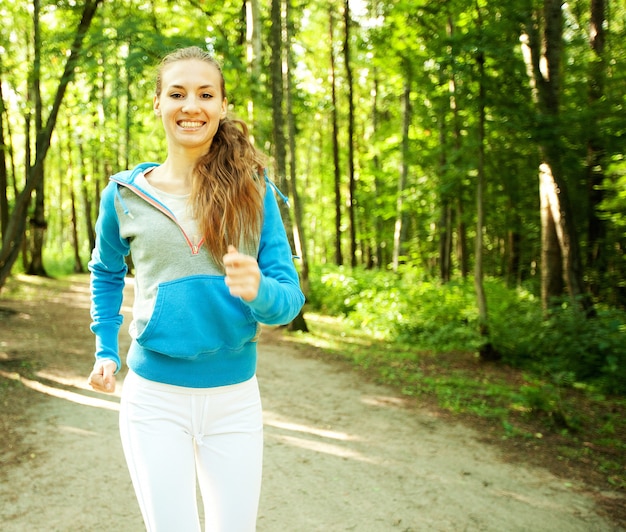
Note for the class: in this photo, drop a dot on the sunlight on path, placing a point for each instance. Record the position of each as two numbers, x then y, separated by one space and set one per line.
60 393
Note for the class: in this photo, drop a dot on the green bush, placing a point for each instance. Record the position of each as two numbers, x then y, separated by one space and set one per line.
333 291
443 317
593 349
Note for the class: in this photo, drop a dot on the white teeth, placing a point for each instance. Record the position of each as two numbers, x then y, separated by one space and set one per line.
190 125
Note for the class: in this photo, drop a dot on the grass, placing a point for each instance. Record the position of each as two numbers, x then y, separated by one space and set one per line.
568 428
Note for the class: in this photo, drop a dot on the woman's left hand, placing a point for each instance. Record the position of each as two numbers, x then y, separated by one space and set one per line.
243 274
102 377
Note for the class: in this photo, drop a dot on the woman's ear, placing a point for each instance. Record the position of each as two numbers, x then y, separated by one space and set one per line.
156 106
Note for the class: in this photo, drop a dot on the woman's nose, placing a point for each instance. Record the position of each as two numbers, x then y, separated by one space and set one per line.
191 104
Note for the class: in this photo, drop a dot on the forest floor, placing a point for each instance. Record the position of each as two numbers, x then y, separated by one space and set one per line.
341 453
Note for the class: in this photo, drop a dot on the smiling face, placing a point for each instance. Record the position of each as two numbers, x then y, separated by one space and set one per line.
191 104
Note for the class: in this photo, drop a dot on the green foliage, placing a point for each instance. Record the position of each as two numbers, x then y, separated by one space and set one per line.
60 261
334 292
107 123
402 307
591 349
614 204
565 347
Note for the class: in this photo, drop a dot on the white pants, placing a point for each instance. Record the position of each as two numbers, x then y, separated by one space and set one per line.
170 433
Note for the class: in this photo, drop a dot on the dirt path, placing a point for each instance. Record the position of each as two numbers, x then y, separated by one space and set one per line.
340 454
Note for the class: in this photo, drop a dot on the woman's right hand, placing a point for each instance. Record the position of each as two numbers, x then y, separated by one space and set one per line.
102 377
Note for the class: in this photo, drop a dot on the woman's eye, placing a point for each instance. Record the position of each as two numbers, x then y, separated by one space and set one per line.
207 96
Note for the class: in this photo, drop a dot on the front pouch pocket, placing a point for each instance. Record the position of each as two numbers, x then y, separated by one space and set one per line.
197 315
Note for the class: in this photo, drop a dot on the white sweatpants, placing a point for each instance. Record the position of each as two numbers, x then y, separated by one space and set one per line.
170 433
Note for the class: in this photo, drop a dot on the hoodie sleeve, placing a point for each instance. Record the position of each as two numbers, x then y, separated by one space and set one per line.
108 272
279 299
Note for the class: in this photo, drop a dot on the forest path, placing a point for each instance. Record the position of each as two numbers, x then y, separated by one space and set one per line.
341 454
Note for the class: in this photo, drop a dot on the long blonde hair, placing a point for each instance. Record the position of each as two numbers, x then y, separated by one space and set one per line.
228 186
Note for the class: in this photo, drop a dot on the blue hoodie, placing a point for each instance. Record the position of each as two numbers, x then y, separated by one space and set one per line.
187 329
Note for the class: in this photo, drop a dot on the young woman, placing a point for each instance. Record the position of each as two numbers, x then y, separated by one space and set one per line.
212 262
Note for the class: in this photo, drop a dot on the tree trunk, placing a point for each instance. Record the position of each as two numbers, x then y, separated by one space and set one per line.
596 249
513 244
14 235
27 164
129 107
486 350
38 224
336 168
78 264
6 146
276 73
280 153
253 52
445 213
445 242
378 257
38 229
291 128
552 285
547 85
461 237
351 178
4 180
399 235
87 205
299 323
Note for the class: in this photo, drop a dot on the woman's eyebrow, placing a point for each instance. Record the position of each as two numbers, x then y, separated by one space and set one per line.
207 86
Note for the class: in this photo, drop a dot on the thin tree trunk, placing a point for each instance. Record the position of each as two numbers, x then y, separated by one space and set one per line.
399 236
253 51
596 250
445 242
298 323
278 117
129 112
280 153
378 257
486 350
7 151
351 178
291 128
38 222
336 169
4 180
87 205
60 188
513 273
461 237
28 159
445 212
78 265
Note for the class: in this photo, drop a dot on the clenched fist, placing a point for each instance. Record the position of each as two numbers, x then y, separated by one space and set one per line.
243 274
102 377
